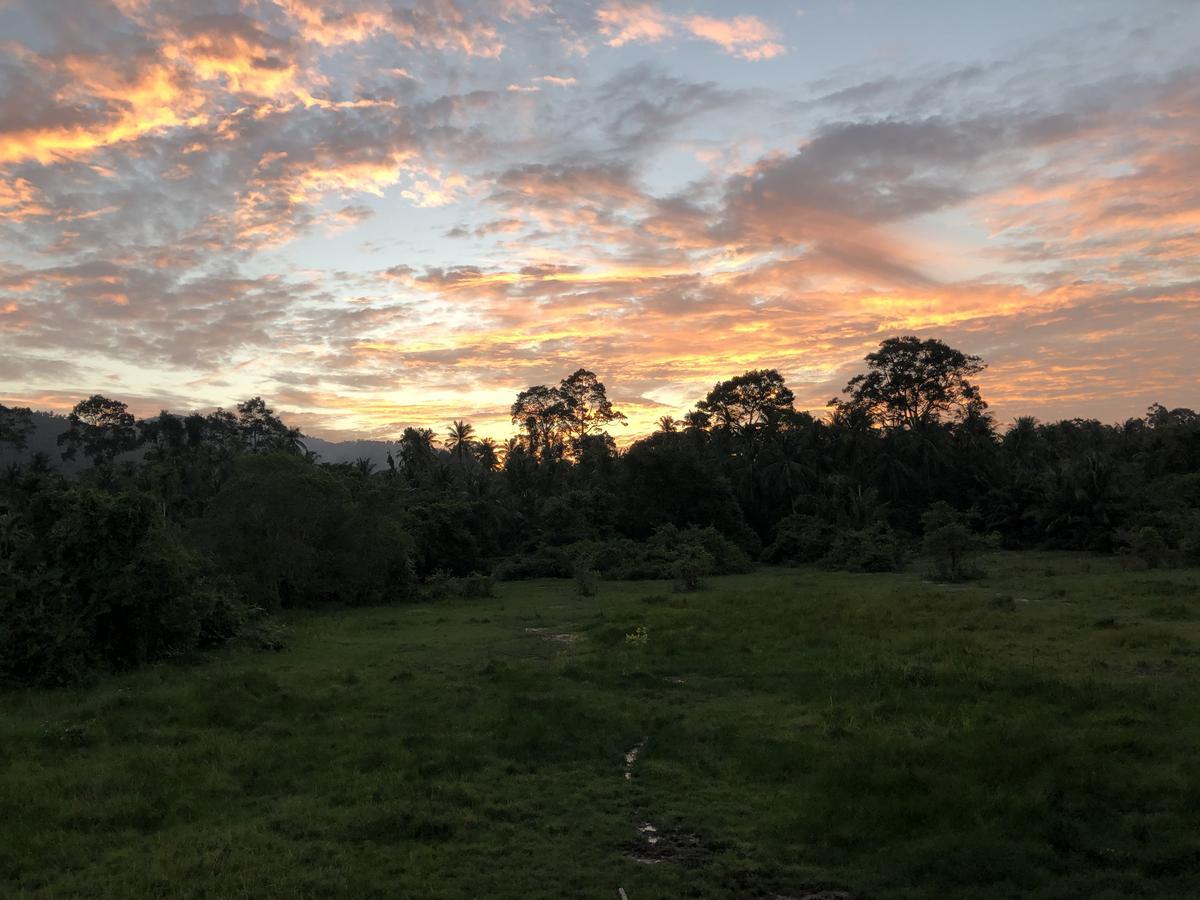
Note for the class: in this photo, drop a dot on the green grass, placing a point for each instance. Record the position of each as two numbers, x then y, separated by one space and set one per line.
1031 734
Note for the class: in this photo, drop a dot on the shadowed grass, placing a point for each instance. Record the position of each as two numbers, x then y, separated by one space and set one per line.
1028 734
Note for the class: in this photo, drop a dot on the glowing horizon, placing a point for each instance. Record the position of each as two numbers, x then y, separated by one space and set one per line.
380 213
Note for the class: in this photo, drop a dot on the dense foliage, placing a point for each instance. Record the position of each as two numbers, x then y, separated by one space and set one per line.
184 523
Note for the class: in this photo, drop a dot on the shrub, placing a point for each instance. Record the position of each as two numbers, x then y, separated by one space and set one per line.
587 578
639 637
1189 546
800 539
689 567
97 580
693 547
952 548
468 587
541 562
876 548
291 534
1149 548
662 556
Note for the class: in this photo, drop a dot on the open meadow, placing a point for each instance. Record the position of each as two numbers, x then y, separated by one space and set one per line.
782 733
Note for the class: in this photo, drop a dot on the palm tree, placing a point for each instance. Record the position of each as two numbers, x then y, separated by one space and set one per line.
512 445
417 456
459 439
487 454
667 424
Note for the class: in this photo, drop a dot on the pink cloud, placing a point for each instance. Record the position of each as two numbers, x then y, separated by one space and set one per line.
747 37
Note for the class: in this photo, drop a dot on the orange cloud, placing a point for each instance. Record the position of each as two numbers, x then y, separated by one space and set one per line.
153 99
20 200
438 24
622 22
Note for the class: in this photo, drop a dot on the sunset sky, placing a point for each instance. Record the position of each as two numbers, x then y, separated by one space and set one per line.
377 213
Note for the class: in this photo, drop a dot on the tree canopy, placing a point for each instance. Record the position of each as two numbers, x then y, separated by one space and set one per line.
913 383
227 514
750 401
556 420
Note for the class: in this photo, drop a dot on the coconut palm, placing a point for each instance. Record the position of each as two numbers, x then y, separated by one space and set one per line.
487 454
459 440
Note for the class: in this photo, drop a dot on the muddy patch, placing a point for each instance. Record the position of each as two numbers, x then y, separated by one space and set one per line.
686 849
558 637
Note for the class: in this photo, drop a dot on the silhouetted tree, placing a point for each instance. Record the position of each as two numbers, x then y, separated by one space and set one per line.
102 428
541 411
16 423
586 408
487 454
261 431
911 383
459 440
748 402
417 455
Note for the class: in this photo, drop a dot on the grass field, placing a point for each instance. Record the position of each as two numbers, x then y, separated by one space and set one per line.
1031 734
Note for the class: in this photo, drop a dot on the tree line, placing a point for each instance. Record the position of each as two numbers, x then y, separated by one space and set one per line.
186 531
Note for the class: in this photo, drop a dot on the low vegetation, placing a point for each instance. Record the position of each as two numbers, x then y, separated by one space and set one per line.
1028 732
184 532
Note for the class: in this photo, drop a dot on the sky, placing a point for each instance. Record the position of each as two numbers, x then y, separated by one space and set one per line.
380 213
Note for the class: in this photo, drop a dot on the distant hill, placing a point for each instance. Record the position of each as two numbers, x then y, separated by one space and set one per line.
44 439
348 451
48 426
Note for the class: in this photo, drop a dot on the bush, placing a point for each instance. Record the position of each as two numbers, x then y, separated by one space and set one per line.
1148 547
690 567
951 547
672 547
803 539
291 534
467 587
1189 546
96 580
587 578
664 555
800 539
541 562
876 548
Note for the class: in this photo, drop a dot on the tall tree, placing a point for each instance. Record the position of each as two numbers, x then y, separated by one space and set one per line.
417 455
263 432
460 441
102 428
748 402
911 383
487 454
540 411
16 423
586 408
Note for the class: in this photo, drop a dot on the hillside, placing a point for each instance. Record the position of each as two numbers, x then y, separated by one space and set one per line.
48 426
